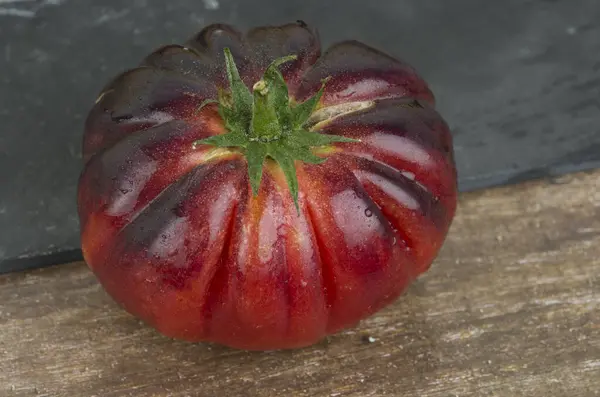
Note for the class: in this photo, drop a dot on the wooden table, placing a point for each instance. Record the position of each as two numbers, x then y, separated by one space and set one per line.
510 308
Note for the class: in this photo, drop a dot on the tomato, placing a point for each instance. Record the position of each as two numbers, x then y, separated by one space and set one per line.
250 191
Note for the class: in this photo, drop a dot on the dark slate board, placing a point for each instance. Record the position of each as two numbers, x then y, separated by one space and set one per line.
518 81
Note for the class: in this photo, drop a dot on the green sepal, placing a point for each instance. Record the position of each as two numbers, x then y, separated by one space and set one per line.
205 103
231 139
279 98
240 94
255 156
232 122
304 154
286 162
302 111
271 113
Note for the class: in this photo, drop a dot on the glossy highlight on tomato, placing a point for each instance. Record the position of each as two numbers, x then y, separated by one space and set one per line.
174 231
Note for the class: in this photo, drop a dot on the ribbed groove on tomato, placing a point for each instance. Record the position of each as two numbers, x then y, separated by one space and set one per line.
186 61
390 134
411 211
144 266
148 81
432 176
120 170
184 209
213 39
205 40
217 286
257 298
432 179
345 221
121 112
355 166
220 307
394 118
198 126
181 184
146 132
359 72
308 307
356 160
274 42
323 258
271 249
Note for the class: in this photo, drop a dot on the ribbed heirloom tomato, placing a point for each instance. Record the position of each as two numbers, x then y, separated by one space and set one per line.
247 190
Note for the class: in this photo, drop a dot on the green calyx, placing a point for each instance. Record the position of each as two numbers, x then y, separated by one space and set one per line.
264 123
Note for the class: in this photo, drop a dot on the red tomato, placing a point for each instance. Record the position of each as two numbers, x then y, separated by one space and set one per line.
270 208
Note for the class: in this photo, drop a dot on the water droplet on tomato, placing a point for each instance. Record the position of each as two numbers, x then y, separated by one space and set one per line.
368 213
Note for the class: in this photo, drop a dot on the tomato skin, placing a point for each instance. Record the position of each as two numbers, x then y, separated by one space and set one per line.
175 235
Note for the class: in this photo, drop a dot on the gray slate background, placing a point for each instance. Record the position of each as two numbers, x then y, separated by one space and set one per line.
517 80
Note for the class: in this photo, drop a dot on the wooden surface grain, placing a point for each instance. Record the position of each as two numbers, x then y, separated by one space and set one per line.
510 308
